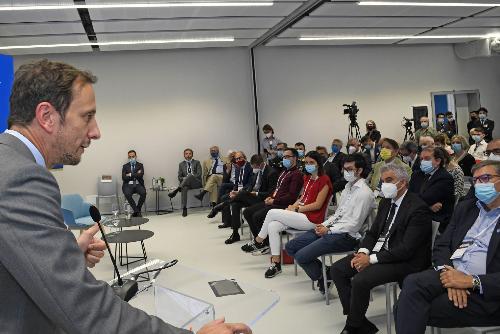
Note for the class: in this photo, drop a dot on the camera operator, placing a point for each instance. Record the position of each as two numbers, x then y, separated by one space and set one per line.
372 132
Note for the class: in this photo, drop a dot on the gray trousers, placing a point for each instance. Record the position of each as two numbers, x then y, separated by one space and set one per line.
189 182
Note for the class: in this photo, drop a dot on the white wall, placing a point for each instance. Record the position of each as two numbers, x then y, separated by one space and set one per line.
159 103
302 89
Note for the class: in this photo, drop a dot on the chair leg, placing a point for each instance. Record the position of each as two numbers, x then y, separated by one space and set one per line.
325 280
388 309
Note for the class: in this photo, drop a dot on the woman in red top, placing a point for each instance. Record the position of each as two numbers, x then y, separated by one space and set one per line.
308 211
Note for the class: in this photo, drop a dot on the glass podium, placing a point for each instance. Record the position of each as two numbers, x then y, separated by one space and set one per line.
187 297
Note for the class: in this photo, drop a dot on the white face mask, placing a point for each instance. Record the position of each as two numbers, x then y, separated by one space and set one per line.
389 190
407 159
269 135
350 176
352 149
494 157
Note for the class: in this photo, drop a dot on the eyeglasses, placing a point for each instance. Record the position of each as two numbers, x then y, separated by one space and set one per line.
485 178
495 151
288 156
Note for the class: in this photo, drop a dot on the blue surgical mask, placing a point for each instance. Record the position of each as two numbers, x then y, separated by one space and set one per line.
132 161
310 168
335 149
368 147
456 147
486 192
482 116
280 153
476 138
301 153
424 125
214 155
287 163
426 166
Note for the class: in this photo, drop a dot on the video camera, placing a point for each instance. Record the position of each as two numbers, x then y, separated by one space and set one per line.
351 110
407 122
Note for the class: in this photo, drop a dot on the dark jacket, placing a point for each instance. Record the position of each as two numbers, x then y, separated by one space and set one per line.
463 218
291 184
488 127
336 178
196 170
410 235
466 164
268 182
367 154
138 174
247 177
339 160
438 188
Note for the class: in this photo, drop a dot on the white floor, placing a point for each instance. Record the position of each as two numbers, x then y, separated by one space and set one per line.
196 241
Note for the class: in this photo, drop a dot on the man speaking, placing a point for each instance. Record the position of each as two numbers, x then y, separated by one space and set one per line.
45 286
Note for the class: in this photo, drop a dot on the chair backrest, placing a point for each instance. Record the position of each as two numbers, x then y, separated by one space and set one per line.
106 186
435 228
326 211
69 219
368 221
75 204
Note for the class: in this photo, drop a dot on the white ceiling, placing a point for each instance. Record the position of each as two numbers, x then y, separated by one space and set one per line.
245 24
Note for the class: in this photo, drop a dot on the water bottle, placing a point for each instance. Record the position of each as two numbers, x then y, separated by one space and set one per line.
128 211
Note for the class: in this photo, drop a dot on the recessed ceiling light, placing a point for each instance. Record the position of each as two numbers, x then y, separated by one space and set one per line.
427 4
162 41
142 5
393 37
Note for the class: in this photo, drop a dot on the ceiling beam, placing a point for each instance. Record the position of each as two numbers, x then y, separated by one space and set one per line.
87 24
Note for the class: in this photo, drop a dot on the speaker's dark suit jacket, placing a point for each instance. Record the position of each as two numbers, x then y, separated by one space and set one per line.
137 175
268 182
463 218
438 188
410 235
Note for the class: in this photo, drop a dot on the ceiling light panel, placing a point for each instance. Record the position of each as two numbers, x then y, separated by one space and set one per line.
372 22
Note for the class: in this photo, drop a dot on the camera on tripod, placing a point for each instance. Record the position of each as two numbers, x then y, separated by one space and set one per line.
407 123
352 110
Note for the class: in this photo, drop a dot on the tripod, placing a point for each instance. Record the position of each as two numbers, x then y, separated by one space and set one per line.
409 134
353 131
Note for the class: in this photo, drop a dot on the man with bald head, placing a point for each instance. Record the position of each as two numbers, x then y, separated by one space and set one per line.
425 130
213 170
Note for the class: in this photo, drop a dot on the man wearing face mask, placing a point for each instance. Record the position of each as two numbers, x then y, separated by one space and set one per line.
479 147
337 157
213 170
452 124
397 244
189 175
487 124
133 183
301 150
269 142
425 129
354 146
331 171
409 154
473 123
463 288
370 149
277 162
340 232
435 185
388 155
372 132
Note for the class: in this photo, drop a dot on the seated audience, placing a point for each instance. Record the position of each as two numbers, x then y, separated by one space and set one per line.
426 141
287 190
370 148
330 169
213 170
441 126
337 156
463 289
133 182
473 123
189 176
435 185
458 177
305 214
388 155
277 162
460 156
425 129
243 178
487 124
269 142
301 150
409 154
443 141
477 149
341 232
262 185
397 244
452 124
354 146
372 132
228 176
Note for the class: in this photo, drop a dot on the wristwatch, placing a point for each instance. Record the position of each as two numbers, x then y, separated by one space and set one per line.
476 283
297 209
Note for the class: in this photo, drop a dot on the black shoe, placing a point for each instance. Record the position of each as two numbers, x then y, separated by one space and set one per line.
212 204
138 214
173 193
216 209
184 212
233 238
224 225
350 330
321 285
200 195
273 270
134 214
368 327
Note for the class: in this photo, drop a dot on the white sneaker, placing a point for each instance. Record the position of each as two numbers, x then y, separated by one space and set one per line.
261 251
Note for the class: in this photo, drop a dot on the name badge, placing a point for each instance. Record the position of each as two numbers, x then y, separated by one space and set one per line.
130 182
460 251
378 246
240 187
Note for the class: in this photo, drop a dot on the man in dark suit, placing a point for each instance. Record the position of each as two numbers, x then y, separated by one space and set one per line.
337 157
397 244
473 123
133 182
487 124
434 184
370 148
409 155
263 183
277 162
463 289
331 170
243 179
189 175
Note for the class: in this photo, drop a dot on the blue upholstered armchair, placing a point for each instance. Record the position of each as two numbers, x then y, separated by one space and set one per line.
80 217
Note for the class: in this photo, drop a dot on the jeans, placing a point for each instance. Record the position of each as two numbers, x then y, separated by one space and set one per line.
307 247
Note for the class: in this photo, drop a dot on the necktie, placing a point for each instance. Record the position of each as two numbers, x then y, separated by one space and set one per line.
132 170
189 168
257 181
425 184
214 167
389 219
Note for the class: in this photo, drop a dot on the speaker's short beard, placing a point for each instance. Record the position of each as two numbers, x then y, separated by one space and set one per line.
70 159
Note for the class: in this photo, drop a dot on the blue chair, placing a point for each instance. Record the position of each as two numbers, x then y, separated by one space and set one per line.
76 212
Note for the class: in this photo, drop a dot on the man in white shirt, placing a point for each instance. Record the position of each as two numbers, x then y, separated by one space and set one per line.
397 244
479 147
340 233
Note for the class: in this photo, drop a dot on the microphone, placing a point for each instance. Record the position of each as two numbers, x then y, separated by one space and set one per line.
157 271
123 289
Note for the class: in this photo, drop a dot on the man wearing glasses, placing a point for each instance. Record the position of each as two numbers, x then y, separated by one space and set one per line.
463 289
